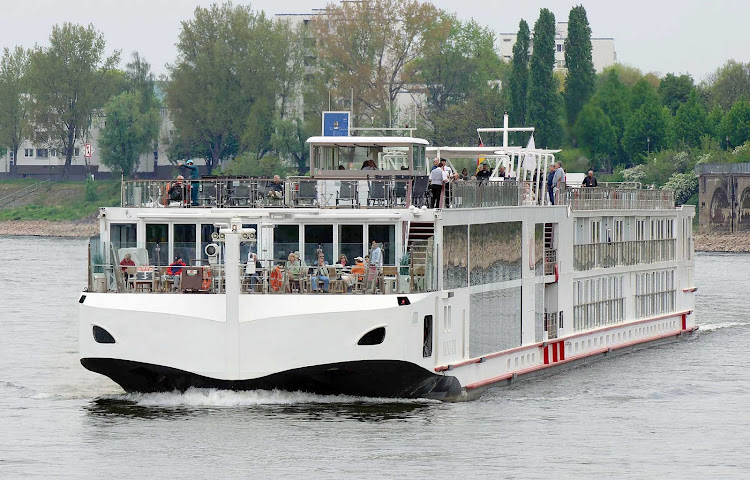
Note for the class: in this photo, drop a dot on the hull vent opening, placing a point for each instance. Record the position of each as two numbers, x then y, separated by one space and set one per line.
373 337
102 336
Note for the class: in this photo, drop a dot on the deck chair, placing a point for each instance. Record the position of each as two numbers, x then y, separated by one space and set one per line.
308 192
419 191
400 188
348 193
378 192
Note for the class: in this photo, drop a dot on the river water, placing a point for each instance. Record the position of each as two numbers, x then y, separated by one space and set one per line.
680 410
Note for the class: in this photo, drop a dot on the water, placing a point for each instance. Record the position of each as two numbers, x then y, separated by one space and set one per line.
678 410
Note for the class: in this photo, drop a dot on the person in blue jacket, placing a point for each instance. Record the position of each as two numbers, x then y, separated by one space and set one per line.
194 175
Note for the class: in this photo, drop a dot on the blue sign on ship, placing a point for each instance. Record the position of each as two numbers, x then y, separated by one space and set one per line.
336 124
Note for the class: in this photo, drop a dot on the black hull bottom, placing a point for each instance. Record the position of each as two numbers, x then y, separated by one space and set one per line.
368 378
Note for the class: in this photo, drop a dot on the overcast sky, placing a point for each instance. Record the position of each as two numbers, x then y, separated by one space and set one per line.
687 36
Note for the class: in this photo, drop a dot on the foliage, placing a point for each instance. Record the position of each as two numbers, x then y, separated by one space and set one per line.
685 185
728 84
484 107
690 122
736 123
267 166
581 78
128 132
232 63
90 193
519 79
14 117
366 49
675 90
67 82
634 174
594 131
288 139
543 104
646 130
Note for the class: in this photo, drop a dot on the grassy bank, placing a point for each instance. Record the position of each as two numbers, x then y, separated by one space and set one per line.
59 201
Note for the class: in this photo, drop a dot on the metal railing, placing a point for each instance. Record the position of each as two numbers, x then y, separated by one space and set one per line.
598 314
550 325
550 261
616 254
473 194
601 198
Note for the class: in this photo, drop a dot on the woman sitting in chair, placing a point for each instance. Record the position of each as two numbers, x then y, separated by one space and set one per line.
295 271
343 268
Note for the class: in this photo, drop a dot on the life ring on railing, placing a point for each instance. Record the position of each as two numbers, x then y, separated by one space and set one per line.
206 285
276 279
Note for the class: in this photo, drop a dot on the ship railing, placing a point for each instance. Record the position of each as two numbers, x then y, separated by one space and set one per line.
550 261
598 314
617 254
550 325
476 194
294 192
606 198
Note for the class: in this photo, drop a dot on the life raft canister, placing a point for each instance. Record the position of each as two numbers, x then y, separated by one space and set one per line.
206 285
276 279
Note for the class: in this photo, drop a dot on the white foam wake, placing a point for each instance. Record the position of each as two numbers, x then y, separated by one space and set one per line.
709 327
211 397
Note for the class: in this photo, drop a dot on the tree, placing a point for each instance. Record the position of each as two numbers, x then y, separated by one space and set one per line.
646 130
140 79
728 84
458 59
230 67
127 133
67 82
366 48
690 121
595 132
641 93
674 90
519 77
288 139
543 103
14 117
581 78
736 123
611 97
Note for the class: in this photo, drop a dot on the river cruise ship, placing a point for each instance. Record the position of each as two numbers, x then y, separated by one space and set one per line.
492 285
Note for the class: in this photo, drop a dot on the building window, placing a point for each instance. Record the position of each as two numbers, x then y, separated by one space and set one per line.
28 152
42 153
76 152
559 47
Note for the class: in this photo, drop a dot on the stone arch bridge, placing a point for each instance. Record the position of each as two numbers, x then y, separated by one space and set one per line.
724 197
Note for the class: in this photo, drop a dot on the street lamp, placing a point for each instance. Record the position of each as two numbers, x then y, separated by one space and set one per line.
648 145
727 142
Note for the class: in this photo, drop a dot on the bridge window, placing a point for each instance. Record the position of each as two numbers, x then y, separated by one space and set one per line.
184 242
385 235
123 235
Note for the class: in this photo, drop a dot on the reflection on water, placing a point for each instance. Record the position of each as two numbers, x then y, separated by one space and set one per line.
678 410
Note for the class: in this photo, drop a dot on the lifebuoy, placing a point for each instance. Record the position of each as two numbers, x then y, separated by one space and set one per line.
276 279
557 275
206 285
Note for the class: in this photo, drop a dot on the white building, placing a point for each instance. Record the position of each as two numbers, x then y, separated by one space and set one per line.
602 48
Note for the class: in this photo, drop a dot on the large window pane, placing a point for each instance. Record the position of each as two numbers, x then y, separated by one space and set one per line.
206 230
385 235
350 241
123 235
285 240
184 243
318 237
157 243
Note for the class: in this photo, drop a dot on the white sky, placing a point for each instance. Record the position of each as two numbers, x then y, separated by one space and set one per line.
687 36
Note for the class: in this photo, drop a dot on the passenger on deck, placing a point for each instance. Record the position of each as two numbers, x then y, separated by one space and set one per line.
501 172
176 191
174 271
436 186
295 270
558 180
344 268
252 268
276 188
194 175
551 184
484 174
358 270
465 174
590 180
320 274
447 180
128 267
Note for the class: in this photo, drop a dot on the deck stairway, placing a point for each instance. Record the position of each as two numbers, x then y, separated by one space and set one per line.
418 243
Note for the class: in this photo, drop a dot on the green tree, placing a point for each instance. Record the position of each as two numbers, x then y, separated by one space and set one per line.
595 132
246 164
690 121
543 103
611 96
580 81
728 84
127 133
713 125
230 67
519 77
14 116
675 90
67 82
646 130
288 139
641 93
736 123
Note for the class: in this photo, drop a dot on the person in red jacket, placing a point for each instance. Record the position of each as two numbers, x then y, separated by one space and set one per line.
174 270
125 263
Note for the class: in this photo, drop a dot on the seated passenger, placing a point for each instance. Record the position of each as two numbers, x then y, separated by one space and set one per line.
174 271
128 268
320 274
344 269
295 270
358 270
176 191
276 188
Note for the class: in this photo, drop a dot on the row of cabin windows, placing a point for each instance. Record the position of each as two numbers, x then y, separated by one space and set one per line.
614 231
307 239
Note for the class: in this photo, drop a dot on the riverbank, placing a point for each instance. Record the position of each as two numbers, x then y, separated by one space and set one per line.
46 228
722 242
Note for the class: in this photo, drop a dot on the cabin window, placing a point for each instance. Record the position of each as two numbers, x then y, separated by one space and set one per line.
285 241
184 242
351 241
157 243
385 235
123 235
206 230
355 158
318 238
420 159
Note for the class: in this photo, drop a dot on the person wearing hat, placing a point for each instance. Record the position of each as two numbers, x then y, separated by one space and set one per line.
358 269
194 175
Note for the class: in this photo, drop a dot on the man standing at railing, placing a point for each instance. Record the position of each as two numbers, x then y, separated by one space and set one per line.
447 179
558 180
436 186
194 175
551 184
590 180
